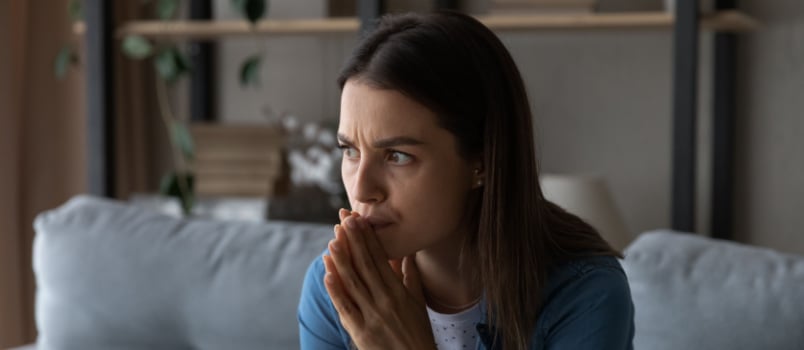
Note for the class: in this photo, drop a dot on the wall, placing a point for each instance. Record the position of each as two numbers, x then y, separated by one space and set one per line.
770 161
602 103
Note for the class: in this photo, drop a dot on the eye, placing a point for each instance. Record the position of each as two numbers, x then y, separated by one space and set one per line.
399 158
349 152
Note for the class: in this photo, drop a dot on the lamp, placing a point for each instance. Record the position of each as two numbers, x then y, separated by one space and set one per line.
588 197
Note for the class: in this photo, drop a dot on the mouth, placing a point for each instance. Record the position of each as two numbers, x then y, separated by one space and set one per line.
378 223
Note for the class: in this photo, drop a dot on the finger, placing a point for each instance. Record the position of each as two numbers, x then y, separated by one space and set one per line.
352 282
412 279
389 276
343 213
347 310
364 263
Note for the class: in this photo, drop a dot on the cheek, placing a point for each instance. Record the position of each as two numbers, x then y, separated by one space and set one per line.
436 207
347 176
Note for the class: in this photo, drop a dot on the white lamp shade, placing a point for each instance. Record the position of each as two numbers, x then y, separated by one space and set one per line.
588 197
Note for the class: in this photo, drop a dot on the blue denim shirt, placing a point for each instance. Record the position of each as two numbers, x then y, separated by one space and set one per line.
587 306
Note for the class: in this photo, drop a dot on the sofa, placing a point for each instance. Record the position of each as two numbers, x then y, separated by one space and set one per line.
111 275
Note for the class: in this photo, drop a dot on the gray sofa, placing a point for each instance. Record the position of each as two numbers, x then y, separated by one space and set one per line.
113 276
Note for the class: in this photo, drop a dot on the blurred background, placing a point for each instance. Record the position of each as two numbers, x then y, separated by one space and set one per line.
232 120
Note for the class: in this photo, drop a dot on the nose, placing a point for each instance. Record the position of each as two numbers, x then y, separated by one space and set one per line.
367 184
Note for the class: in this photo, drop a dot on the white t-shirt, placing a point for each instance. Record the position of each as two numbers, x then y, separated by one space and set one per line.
456 331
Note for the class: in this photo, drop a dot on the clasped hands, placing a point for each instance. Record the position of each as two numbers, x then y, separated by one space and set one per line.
379 301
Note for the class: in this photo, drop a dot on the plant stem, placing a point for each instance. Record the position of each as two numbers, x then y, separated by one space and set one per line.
179 162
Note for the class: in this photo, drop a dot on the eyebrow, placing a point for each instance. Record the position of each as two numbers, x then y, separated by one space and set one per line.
385 143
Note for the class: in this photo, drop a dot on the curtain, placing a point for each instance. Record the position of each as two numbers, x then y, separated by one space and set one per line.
43 138
42 142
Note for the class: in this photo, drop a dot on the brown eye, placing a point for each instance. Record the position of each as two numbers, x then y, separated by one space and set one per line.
399 158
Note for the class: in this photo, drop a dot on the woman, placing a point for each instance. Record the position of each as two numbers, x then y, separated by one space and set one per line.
450 243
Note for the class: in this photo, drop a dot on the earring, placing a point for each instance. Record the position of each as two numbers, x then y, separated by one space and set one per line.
480 180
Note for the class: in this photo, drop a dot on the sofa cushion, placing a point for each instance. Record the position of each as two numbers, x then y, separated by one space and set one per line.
112 276
692 292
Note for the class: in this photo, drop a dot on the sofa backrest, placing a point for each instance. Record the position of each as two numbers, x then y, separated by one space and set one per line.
692 292
112 276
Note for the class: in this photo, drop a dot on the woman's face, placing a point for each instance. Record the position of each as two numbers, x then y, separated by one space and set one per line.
401 170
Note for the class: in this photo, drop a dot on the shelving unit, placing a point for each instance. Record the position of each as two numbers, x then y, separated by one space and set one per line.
722 21
100 33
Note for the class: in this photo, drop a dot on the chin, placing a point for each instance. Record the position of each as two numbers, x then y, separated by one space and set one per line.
393 248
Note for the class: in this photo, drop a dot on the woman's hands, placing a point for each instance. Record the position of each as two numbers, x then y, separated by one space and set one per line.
379 301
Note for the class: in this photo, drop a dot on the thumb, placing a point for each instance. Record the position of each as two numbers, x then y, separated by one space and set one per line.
412 279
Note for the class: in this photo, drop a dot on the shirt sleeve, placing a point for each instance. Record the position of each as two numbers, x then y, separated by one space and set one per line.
594 311
319 326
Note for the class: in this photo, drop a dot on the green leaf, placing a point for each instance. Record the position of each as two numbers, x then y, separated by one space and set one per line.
62 62
76 10
171 64
252 10
137 47
181 136
169 186
165 9
250 71
181 61
239 5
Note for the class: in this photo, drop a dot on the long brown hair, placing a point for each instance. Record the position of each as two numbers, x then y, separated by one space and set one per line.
459 69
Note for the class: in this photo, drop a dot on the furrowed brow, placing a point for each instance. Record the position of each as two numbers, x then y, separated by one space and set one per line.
385 143
397 141
345 140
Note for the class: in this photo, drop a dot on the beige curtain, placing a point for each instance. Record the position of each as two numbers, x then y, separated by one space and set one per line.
42 143
43 139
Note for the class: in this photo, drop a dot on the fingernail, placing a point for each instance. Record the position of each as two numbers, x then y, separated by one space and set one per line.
329 278
333 246
350 222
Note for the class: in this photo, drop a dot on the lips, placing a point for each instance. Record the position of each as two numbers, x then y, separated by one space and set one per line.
378 222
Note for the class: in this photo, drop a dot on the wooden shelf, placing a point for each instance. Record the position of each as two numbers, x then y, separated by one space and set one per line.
226 28
725 21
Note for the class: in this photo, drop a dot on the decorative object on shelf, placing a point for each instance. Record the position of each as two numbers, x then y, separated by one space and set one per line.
589 198
315 190
520 7
243 160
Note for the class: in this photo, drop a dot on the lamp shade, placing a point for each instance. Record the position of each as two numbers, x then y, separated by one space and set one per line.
589 198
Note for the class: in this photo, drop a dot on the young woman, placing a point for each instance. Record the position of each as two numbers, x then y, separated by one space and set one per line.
450 243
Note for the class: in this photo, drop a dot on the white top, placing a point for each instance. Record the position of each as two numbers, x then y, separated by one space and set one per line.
456 331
